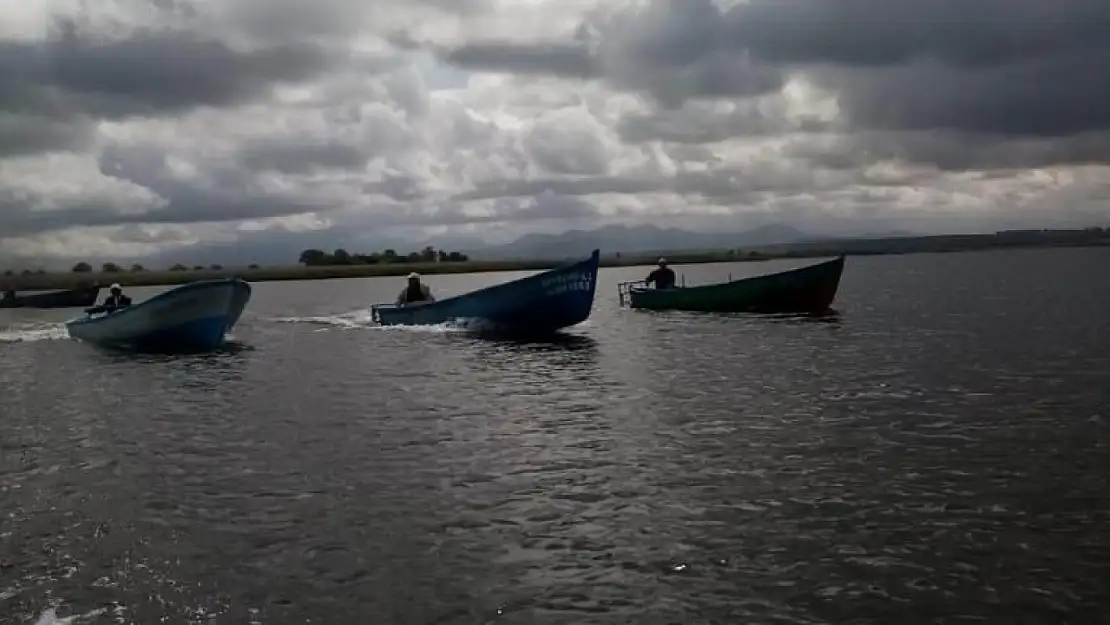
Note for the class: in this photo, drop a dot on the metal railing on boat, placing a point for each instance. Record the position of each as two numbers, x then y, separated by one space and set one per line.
624 291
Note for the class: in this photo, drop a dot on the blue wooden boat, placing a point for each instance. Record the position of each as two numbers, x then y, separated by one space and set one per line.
538 304
194 317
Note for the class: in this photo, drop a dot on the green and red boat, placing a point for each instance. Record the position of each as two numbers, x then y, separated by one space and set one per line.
810 289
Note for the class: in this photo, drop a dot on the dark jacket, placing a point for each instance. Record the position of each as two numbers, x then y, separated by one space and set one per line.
415 293
117 301
663 277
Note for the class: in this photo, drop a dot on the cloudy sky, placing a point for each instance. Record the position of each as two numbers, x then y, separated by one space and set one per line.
128 127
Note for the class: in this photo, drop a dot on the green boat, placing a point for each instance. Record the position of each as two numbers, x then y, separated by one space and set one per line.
804 290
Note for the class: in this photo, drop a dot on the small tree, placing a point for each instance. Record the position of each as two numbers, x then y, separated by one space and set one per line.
110 268
136 268
179 267
216 267
82 267
313 257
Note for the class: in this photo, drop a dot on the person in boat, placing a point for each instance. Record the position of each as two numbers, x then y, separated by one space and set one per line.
415 292
9 295
116 298
662 276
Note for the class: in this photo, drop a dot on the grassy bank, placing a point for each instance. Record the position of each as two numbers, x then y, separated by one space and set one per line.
69 280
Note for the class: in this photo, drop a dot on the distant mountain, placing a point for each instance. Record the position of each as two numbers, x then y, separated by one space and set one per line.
634 240
891 234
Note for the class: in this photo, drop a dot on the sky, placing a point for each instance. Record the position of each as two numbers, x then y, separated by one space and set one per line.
130 128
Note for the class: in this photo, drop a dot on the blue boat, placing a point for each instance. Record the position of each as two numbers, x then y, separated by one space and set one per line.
194 317
538 304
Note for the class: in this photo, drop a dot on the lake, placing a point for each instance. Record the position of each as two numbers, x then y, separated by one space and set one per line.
936 452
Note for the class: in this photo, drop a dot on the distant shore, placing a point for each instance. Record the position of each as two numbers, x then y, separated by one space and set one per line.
860 247
71 280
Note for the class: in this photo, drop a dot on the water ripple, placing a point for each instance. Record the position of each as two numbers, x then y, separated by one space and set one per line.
921 456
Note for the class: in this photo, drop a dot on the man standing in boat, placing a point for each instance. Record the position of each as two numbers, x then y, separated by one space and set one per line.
662 276
116 298
416 292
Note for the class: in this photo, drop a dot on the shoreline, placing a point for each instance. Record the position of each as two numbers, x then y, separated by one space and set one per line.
290 273
70 280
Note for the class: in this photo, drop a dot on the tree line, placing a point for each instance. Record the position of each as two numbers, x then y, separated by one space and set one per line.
114 268
84 267
320 258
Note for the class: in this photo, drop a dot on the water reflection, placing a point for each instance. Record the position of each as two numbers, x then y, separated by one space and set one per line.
218 357
555 342
828 316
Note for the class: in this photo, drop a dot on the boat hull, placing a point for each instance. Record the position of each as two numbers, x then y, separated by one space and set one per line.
809 289
73 298
538 304
189 318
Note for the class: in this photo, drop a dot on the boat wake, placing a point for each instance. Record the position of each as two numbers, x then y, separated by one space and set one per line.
50 617
364 320
27 332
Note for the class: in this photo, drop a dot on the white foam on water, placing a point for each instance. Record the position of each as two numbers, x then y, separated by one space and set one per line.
353 319
26 332
50 617
364 320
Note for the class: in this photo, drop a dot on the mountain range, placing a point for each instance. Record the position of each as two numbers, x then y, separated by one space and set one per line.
635 240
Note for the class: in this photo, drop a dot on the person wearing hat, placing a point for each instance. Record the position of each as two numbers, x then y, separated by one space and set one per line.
116 298
662 276
415 292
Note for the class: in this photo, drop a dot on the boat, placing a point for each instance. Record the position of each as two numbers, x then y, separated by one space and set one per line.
808 289
193 317
72 298
538 304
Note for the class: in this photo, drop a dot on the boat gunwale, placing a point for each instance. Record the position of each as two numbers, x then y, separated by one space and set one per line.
173 292
633 289
592 260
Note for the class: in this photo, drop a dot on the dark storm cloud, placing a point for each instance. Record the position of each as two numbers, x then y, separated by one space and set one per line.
155 72
722 185
64 83
1017 68
301 157
1051 97
952 151
693 126
667 51
230 196
396 188
187 205
32 134
568 60
882 33
542 206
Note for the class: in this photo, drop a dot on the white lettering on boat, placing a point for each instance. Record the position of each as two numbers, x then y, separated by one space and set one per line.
561 284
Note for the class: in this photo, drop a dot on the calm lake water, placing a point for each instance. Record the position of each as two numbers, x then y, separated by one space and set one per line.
935 453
